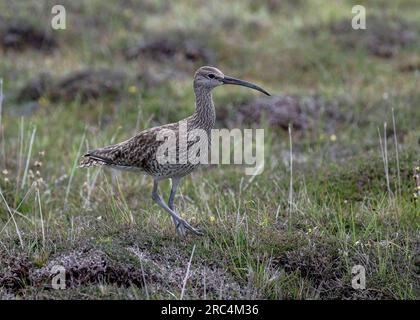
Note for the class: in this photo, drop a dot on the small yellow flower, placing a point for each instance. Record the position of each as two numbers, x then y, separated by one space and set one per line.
128 13
418 187
212 218
43 101
6 180
333 138
132 89
5 172
417 168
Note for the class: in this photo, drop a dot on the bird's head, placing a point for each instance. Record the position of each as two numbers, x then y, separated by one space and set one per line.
210 77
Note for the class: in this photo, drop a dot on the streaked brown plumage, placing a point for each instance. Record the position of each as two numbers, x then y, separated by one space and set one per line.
139 152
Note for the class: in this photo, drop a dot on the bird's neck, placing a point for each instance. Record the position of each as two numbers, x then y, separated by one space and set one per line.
205 115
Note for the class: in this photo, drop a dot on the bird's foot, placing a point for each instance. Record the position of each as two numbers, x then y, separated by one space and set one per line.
182 226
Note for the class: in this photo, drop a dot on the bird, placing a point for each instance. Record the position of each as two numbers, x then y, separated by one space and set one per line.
140 152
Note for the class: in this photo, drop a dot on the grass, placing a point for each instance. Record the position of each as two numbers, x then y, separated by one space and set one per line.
343 197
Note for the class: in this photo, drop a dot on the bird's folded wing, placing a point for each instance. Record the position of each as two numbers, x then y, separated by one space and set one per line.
130 153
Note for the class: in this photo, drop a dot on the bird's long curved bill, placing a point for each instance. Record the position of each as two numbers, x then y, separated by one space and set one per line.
238 82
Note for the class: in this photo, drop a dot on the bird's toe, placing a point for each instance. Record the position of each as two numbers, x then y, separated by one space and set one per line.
193 230
180 228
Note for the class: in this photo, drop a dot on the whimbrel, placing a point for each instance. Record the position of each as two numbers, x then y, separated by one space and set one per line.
139 153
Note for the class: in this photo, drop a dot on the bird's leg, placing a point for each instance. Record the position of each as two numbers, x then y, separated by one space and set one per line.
174 182
174 185
180 224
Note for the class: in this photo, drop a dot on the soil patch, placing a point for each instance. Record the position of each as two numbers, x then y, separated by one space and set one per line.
85 84
383 37
174 46
279 111
19 35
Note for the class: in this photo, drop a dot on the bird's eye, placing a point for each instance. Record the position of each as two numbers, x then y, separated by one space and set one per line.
211 76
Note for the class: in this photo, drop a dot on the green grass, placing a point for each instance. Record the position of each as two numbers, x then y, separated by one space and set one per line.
256 244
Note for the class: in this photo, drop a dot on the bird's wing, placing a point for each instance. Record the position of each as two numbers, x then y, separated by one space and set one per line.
130 153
